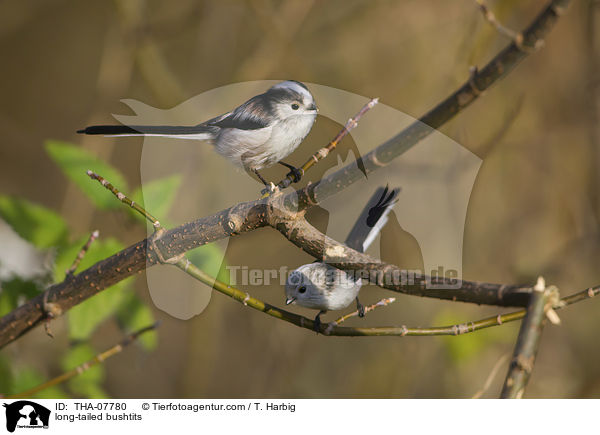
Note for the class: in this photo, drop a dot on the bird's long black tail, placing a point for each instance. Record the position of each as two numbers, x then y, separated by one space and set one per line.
148 130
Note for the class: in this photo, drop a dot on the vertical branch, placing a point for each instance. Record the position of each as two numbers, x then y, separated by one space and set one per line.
528 342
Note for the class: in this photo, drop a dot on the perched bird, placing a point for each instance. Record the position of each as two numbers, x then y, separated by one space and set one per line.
259 133
323 287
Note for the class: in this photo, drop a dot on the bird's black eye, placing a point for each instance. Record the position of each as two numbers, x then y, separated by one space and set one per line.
301 289
295 106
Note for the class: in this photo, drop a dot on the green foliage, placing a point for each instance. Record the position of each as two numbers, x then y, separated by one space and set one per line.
45 229
87 383
75 161
15 290
209 259
133 315
85 317
26 378
34 223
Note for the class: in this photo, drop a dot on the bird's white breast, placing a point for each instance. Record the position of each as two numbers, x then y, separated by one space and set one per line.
256 149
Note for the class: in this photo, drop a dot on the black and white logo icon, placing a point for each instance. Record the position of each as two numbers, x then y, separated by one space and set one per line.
26 414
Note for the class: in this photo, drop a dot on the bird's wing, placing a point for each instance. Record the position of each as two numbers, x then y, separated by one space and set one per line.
252 115
372 219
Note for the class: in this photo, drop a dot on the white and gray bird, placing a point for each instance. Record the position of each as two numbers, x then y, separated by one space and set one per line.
323 287
261 132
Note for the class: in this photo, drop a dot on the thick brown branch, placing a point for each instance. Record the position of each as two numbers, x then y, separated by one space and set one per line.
75 289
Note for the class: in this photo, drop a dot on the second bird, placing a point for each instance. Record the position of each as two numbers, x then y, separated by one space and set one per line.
321 286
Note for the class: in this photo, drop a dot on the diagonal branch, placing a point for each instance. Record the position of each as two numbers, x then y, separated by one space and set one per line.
478 82
252 215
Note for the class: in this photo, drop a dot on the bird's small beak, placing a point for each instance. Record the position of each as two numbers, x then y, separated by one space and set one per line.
289 300
313 107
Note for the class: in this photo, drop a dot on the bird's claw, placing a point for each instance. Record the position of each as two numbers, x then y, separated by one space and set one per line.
270 189
317 324
296 174
361 308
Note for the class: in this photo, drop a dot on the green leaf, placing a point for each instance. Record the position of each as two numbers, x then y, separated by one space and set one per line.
34 223
76 161
134 315
157 196
209 259
85 317
15 291
26 378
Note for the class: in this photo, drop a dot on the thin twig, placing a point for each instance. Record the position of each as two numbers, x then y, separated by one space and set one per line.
528 342
517 37
159 230
491 18
117 348
491 376
381 303
81 253
124 199
324 152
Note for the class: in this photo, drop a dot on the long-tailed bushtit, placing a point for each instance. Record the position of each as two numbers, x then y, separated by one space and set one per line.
323 287
259 133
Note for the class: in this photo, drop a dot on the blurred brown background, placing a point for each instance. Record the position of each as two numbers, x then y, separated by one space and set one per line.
534 210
